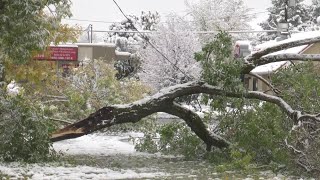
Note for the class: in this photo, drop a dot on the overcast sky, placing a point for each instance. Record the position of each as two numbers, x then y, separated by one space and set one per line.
106 10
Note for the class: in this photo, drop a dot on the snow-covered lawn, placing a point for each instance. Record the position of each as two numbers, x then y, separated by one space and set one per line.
101 156
98 144
38 171
93 144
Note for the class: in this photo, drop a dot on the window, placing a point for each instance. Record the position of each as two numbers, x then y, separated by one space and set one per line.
246 82
254 84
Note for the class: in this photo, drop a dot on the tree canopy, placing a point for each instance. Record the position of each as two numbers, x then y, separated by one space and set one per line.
27 26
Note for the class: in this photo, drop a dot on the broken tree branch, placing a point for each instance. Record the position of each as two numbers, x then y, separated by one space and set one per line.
287 57
197 126
275 90
164 102
257 55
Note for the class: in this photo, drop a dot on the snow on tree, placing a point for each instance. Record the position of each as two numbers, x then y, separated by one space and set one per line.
314 15
213 15
176 41
298 17
128 41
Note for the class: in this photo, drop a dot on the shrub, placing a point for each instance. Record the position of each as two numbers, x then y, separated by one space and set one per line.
23 132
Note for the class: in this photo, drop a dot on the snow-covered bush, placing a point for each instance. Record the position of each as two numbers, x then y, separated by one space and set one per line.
24 133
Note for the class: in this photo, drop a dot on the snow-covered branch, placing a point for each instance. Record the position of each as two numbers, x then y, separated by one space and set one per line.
255 57
274 89
287 57
163 101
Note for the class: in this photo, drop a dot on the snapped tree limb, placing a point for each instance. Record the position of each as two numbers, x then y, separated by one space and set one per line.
257 55
164 102
261 57
287 57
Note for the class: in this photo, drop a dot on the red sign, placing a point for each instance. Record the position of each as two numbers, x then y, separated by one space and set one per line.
56 53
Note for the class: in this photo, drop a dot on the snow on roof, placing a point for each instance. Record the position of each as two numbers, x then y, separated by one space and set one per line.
120 53
294 37
244 42
63 45
269 68
102 44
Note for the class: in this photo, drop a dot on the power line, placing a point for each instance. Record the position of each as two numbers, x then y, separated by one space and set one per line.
87 20
257 13
153 46
196 32
112 22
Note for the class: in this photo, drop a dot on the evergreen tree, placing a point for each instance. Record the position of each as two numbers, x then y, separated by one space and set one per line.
297 17
130 42
126 41
315 10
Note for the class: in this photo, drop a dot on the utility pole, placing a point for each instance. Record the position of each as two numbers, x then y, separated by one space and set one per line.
286 12
90 33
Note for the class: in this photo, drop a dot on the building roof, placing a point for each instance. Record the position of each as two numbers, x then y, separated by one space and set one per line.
271 67
102 44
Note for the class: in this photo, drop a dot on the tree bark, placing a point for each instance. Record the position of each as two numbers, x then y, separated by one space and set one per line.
197 126
287 57
257 55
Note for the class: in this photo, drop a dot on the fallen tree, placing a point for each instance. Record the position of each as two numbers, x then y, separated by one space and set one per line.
165 101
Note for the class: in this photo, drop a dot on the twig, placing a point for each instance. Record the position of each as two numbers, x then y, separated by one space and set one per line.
60 120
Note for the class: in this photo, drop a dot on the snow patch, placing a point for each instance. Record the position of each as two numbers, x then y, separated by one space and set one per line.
13 89
98 144
269 68
39 171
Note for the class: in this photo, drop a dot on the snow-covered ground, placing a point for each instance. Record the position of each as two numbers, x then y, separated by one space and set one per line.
98 144
114 157
42 172
93 144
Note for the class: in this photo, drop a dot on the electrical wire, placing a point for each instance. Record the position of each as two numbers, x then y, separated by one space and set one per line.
87 20
114 22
